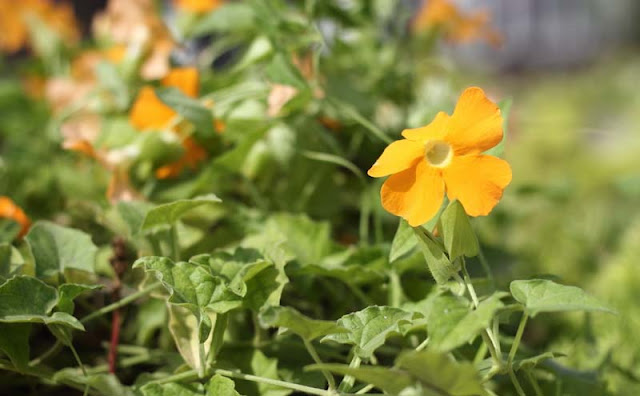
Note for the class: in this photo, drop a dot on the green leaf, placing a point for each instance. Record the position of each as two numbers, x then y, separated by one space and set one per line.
541 295
292 320
192 286
103 384
282 71
440 374
451 323
458 235
304 239
185 330
10 261
163 216
231 17
221 386
352 265
263 366
404 241
170 389
531 362
68 292
9 230
391 381
368 329
505 110
191 109
133 213
440 266
56 249
14 342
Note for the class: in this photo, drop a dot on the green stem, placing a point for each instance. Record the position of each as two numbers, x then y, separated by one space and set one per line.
155 245
516 383
516 340
77 357
395 289
486 267
175 245
422 345
480 354
348 381
120 303
314 355
192 375
534 383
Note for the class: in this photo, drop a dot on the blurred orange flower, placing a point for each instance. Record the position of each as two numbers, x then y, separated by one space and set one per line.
9 210
149 112
446 155
136 24
455 25
198 6
14 31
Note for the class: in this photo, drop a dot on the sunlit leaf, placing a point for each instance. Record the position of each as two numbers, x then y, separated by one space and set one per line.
541 295
404 241
368 329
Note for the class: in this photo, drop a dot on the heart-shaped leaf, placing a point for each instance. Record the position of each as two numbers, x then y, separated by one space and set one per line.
459 238
541 295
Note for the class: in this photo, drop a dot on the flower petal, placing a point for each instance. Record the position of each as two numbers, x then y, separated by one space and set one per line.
183 78
477 182
148 112
397 157
435 130
476 123
414 194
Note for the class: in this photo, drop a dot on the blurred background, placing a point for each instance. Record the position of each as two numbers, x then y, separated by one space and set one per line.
571 69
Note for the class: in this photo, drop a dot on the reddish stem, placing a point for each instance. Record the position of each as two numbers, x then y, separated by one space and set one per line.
115 338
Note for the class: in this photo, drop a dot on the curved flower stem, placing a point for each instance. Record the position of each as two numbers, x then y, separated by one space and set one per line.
534 383
314 355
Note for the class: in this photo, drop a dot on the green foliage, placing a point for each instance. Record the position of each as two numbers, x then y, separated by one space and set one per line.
541 295
57 249
221 278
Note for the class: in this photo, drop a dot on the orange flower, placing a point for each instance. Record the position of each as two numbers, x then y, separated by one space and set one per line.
149 112
198 6
9 210
456 26
14 31
446 155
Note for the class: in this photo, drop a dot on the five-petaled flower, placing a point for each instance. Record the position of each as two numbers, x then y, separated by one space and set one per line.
446 156
9 210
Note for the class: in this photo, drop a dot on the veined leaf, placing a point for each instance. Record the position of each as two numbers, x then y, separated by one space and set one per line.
56 248
458 235
67 292
368 329
292 320
163 216
541 295
170 389
404 241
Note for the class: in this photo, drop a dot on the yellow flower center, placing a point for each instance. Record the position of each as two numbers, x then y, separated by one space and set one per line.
438 153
